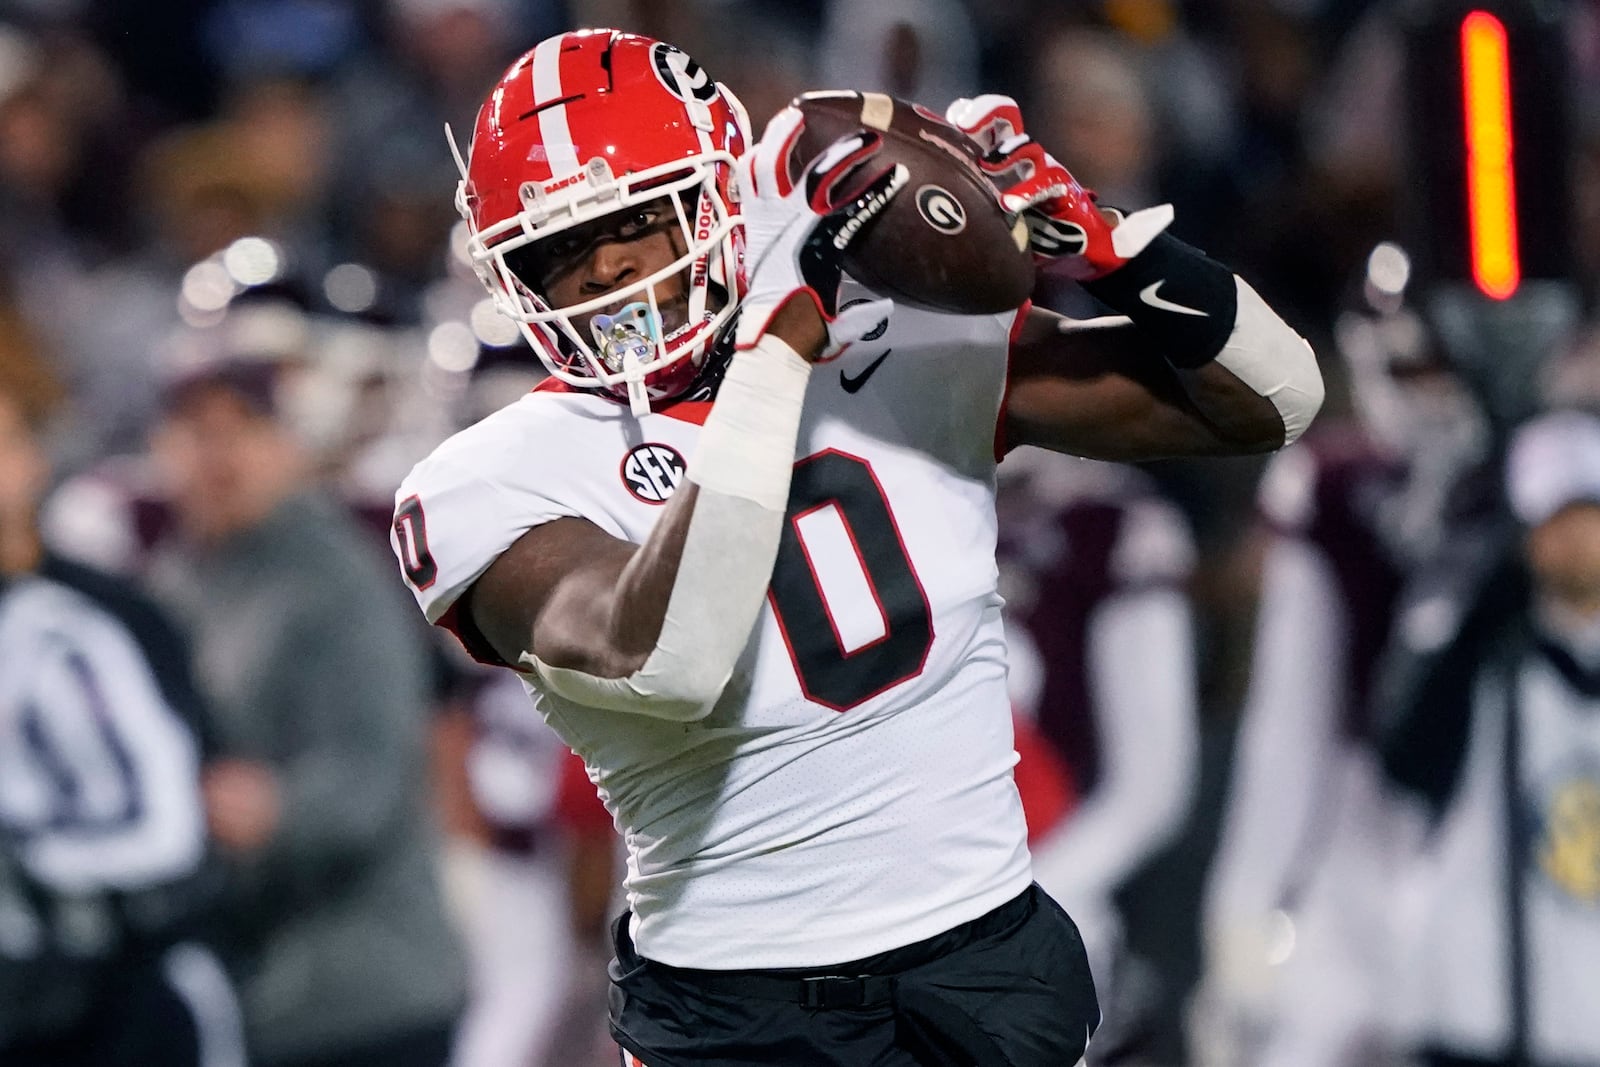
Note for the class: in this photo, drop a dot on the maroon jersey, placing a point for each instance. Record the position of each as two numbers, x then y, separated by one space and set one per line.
1345 498
1074 536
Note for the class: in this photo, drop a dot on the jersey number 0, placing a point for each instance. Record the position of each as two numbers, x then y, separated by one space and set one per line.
851 608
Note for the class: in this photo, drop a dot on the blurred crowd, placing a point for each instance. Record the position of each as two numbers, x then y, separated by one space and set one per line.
1311 747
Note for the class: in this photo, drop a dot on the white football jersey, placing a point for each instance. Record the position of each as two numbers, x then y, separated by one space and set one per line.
851 791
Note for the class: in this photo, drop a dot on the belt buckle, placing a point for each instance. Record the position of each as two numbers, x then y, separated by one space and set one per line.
833 991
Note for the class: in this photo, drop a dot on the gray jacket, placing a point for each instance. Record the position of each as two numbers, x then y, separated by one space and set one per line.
315 665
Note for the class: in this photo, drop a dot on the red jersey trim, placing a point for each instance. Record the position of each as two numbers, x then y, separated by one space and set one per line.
694 411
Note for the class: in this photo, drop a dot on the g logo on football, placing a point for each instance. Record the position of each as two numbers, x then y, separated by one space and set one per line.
941 210
652 472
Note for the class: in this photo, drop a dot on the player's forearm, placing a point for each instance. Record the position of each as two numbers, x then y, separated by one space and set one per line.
1247 372
645 587
697 588
1263 388
1237 414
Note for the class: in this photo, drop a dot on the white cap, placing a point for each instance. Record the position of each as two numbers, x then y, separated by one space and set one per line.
1554 461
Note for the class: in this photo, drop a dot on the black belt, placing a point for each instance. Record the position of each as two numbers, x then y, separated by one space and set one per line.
818 991
822 989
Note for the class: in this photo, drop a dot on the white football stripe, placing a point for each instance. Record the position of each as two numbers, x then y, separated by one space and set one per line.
877 110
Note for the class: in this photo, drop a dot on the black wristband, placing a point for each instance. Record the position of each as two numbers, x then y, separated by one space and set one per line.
1183 298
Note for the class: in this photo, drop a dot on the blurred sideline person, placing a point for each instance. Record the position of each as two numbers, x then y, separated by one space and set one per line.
317 796
1299 903
1499 916
103 874
348 391
1094 567
787 677
534 869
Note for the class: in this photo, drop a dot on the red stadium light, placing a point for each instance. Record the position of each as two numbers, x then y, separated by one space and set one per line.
1491 177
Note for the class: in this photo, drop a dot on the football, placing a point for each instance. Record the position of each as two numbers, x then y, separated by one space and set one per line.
944 243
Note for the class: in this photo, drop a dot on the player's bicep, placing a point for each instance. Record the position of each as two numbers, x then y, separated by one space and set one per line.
553 593
577 597
1100 391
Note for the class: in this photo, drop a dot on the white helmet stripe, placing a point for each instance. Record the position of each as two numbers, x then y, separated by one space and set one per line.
553 131
686 92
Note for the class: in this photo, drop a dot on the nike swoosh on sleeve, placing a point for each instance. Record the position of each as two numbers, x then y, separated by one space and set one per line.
1148 295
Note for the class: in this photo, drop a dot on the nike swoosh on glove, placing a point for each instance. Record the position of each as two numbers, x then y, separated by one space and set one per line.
797 232
1065 229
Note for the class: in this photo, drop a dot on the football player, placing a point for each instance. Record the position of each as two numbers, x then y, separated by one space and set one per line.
740 546
1312 839
1095 568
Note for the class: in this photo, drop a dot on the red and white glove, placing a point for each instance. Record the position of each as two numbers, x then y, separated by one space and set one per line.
796 233
1065 229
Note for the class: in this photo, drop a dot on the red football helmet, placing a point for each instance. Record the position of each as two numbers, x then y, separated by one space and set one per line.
583 126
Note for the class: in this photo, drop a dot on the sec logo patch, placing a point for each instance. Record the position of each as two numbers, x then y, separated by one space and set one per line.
652 472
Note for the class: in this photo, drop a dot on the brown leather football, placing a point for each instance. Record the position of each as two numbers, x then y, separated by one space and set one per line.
943 243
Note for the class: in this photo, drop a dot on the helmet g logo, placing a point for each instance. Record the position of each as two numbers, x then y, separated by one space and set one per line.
652 472
941 210
682 76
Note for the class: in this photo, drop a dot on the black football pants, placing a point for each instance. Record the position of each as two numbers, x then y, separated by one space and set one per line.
1008 989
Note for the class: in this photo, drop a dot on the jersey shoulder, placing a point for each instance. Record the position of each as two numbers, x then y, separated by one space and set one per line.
482 488
531 441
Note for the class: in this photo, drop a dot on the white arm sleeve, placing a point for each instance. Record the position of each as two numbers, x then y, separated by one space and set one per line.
742 466
1142 676
1285 737
1266 354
